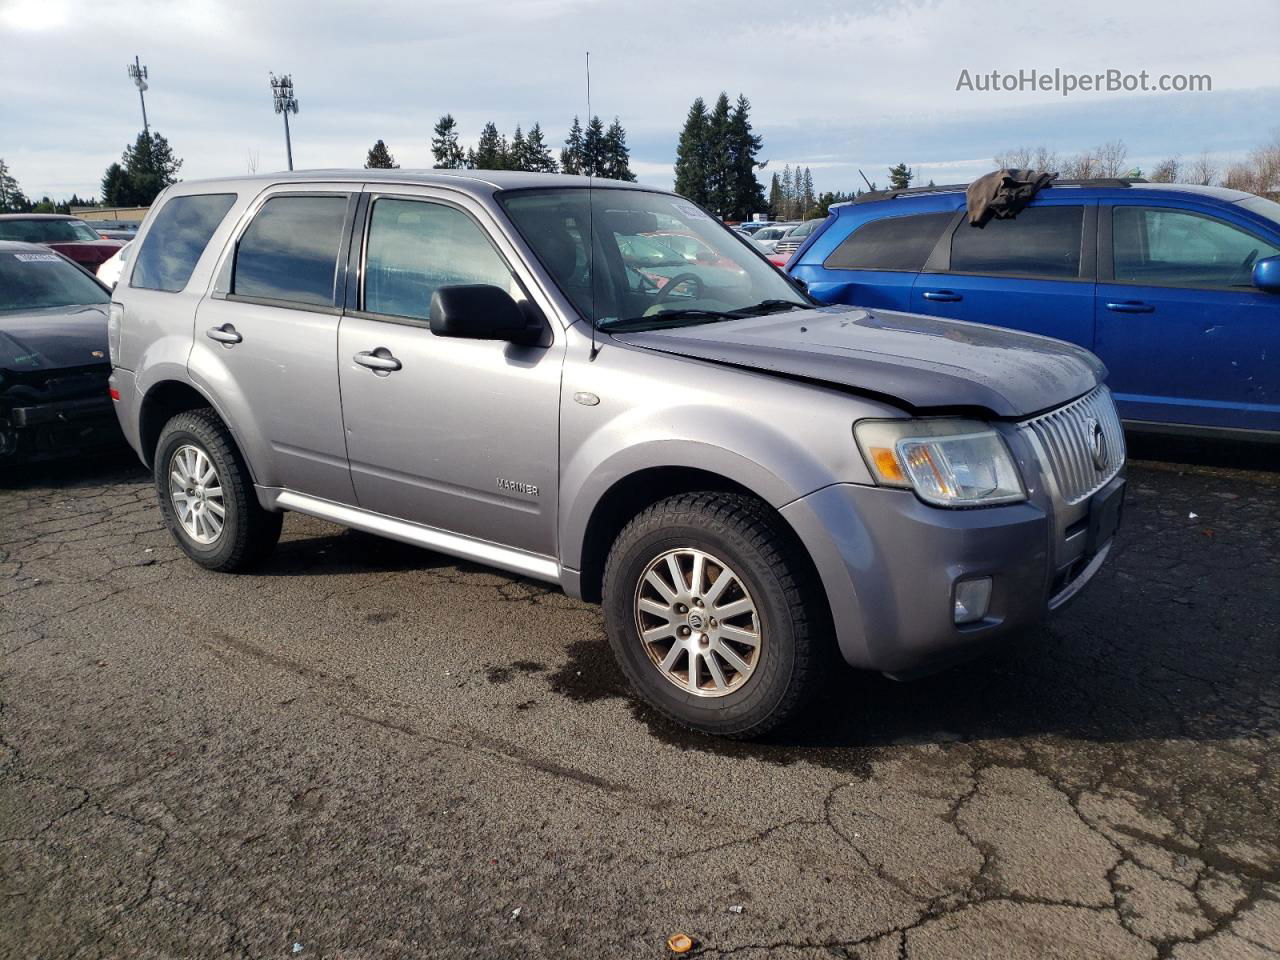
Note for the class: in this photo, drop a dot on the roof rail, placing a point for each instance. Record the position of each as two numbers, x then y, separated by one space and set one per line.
958 187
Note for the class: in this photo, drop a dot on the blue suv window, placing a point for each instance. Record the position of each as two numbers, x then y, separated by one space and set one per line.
894 243
176 239
1177 248
1038 242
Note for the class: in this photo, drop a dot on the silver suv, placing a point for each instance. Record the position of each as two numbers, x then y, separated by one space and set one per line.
598 385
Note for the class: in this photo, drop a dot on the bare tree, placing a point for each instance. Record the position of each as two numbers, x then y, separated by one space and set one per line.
1111 159
1083 166
1015 158
253 162
1166 171
1203 170
1045 160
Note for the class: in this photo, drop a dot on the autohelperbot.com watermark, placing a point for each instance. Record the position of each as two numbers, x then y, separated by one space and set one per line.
1066 82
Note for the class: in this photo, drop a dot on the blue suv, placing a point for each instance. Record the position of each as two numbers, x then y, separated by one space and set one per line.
1176 288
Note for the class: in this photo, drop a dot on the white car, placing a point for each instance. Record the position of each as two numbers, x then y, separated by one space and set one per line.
109 270
766 237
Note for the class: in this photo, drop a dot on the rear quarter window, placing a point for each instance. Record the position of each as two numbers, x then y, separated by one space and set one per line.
892 243
176 239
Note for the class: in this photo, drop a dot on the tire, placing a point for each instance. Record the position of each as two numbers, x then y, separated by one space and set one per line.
245 533
736 536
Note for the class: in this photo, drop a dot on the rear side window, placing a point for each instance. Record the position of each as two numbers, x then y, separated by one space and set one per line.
1181 249
290 251
178 235
894 243
416 247
1038 242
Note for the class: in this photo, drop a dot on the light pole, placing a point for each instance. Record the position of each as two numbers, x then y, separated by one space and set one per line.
286 103
138 74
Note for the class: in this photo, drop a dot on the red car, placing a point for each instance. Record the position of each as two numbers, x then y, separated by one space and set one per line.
71 237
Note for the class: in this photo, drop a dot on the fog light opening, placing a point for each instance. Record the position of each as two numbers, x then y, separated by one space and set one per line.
972 598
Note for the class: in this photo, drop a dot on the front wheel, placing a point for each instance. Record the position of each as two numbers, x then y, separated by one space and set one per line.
708 614
207 497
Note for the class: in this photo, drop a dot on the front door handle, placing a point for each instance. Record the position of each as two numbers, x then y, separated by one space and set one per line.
225 334
379 360
942 296
1131 306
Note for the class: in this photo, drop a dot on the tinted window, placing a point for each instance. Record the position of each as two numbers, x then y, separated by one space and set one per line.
47 231
290 251
894 243
178 235
415 247
1038 242
30 280
1175 248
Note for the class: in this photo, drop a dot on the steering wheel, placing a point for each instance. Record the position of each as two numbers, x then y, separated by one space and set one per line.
676 282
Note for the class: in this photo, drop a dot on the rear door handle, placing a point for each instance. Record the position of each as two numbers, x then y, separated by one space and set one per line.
942 296
379 360
225 334
1131 306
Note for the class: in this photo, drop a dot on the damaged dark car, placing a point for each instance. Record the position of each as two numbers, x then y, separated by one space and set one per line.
53 357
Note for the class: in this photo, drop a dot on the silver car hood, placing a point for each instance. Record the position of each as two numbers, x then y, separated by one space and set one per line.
921 362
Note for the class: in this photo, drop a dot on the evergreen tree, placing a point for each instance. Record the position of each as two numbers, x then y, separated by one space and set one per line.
444 144
518 157
775 198
593 149
720 172
691 154
115 187
808 200
380 158
149 166
617 158
747 194
788 194
571 157
12 199
539 154
900 177
491 149
469 161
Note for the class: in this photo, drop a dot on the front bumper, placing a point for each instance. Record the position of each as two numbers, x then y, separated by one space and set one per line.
890 564
45 430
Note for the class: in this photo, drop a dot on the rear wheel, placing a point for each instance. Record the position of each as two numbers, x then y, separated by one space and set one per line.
207 497
706 613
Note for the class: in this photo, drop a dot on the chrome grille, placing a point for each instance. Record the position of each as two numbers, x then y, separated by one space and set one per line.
1067 437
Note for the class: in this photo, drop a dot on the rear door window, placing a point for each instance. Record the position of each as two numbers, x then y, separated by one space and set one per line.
1038 242
1177 248
290 250
177 237
893 243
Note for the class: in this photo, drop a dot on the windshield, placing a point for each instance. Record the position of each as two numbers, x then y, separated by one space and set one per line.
658 260
46 231
32 281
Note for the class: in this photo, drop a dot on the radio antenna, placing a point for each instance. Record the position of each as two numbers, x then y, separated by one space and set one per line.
591 233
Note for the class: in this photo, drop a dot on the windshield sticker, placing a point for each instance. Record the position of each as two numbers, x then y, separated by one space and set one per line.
690 211
38 257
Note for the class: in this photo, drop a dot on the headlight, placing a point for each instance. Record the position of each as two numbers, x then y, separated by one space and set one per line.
949 463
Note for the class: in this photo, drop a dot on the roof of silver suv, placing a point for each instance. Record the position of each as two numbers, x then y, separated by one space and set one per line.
476 181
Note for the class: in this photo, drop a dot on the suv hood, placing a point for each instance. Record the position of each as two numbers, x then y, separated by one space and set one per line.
53 338
923 362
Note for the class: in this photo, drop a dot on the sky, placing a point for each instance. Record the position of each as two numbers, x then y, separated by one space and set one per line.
835 86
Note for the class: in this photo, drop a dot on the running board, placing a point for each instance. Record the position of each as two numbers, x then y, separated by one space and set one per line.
481 551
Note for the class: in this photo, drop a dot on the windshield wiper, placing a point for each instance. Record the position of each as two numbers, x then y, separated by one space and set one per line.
691 314
768 306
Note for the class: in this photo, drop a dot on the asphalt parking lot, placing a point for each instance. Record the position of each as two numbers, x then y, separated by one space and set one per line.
366 750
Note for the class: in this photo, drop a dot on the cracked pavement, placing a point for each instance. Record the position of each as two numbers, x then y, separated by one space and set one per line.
367 750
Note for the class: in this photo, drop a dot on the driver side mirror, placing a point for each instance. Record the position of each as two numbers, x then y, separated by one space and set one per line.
1266 274
481 311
